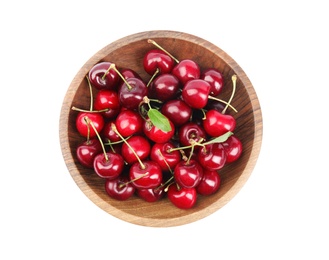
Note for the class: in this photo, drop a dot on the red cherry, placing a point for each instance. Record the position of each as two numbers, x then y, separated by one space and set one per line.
216 124
160 154
188 174
177 111
190 131
97 79
87 151
233 148
165 87
131 95
108 134
129 122
110 167
129 73
209 183
195 93
139 145
183 198
157 135
215 78
119 188
157 59
147 177
84 128
186 70
150 195
212 156
107 99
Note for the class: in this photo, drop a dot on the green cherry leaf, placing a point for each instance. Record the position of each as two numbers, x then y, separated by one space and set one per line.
159 120
220 139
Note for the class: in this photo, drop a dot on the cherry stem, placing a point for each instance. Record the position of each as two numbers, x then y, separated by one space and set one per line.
232 95
89 122
164 159
124 184
164 184
92 111
220 100
91 95
112 66
114 128
161 48
153 76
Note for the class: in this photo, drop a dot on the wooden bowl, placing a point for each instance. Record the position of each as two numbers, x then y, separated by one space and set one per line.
128 52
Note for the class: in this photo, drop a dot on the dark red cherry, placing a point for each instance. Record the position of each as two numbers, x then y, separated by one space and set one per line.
108 134
157 59
157 135
119 188
131 96
209 183
186 70
140 145
165 87
150 195
110 167
87 151
97 79
85 128
177 111
160 153
233 148
216 124
190 131
188 174
147 177
215 78
212 156
195 93
129 122
129 73
107 99
183 198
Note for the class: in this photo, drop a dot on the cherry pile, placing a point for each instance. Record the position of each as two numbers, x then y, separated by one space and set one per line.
168 136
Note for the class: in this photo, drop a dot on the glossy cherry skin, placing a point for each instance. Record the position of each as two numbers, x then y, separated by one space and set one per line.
216 124
215 78
147 178
160 154
87 151
190 131
84 128
165 87
150 195
107 134
157 59
131 97
177 111
119 188
129 122
107 99
233 148
195 93
183 198
129 73
186 70
110 168
97 72
140 145
188 174
209 183
157 135
212 156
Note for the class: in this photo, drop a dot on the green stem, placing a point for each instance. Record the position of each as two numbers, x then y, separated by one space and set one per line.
112 66
93 111
220 100
153 76
232 95
91 95
161 48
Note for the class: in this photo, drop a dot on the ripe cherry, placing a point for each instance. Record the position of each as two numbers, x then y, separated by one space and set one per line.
188 174
150 195
87 151
131 95
186 70
164 87
107 99
157 135
147 175
119 188
212 156
209 183
183 198
101 77
109 165
84 128
108 134
233 148
195 93
160 153
135 145
216 123
177 111
129 122
191 131
156 59
215 78
129 73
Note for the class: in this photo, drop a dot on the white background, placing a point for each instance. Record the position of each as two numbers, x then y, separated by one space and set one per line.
281 212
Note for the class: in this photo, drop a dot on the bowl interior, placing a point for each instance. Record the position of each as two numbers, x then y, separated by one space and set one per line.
128 52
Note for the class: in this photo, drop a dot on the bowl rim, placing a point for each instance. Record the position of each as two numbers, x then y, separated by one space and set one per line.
64 126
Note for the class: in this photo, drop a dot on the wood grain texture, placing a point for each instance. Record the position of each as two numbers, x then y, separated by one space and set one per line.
128 52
